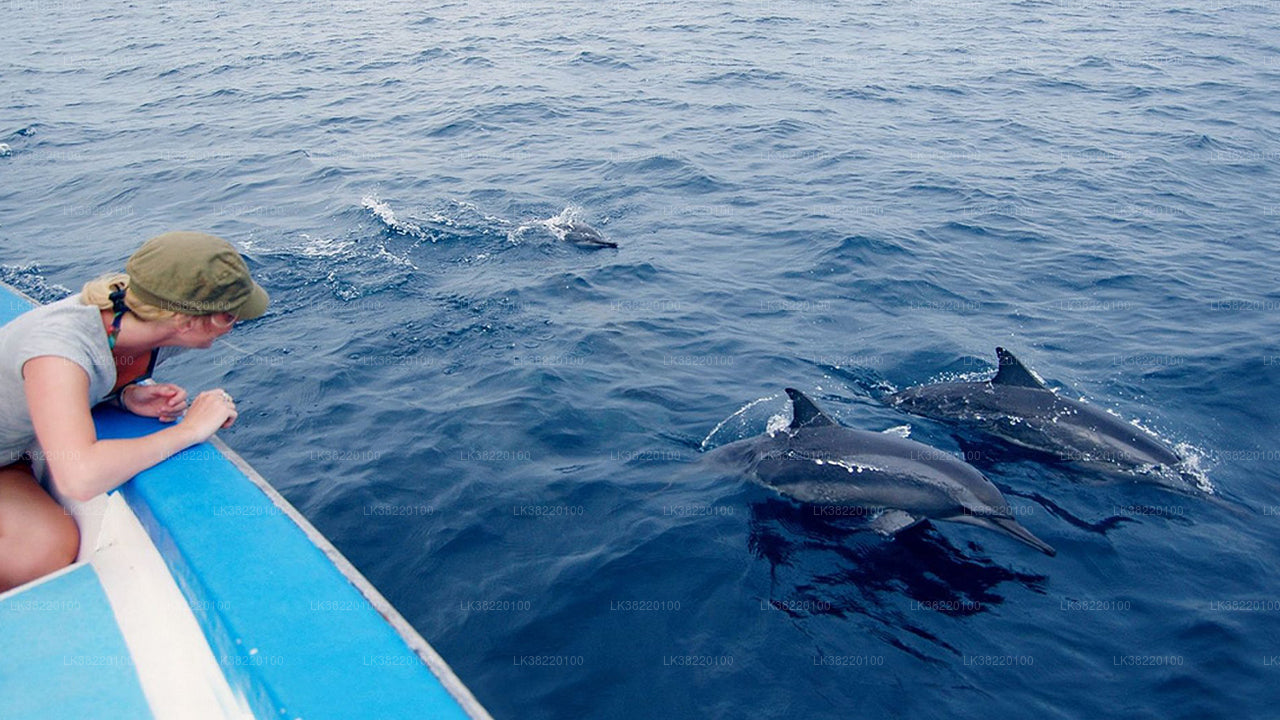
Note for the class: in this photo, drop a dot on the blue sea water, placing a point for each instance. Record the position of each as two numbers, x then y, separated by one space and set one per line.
502 431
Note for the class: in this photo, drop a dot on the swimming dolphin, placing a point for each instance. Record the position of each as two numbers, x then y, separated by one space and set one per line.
578 232
1016 406
898 481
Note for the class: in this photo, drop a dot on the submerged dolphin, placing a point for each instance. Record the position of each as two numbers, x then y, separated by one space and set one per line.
1016 406
899 481
580 233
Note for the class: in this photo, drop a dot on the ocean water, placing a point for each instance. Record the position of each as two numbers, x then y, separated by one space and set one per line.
503 430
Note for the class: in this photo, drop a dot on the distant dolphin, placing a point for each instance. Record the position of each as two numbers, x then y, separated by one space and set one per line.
578 232
898 481
1016 406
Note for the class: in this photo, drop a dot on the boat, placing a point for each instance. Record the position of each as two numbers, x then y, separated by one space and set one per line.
200 592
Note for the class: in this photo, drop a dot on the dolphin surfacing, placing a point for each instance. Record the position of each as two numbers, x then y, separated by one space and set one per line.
1017 407
579 233
899 482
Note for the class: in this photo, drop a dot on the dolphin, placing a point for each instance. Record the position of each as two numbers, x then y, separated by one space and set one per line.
579 233
898 482
1016 406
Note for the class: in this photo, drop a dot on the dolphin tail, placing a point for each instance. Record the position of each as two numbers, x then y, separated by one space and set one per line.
1008 526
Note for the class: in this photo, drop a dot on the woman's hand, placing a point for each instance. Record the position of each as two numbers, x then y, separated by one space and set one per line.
164 401
211 411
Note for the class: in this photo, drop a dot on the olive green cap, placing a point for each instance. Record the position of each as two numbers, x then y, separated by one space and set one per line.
195 274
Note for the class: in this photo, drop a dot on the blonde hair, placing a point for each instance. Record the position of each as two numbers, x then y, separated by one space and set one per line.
98 292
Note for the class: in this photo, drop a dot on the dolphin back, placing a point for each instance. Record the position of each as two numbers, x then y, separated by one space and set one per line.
580 233
1016 406
818 461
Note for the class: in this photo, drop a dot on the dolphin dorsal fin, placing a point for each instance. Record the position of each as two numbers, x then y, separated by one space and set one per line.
1013 372
804 413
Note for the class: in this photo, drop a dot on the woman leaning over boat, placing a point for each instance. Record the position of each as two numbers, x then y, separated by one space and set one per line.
179 290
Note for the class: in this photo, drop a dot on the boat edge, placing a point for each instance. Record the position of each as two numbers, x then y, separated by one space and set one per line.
433 660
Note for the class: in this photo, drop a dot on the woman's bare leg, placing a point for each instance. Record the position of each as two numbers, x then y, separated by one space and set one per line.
37 536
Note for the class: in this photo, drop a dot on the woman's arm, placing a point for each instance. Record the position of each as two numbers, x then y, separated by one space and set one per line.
83 466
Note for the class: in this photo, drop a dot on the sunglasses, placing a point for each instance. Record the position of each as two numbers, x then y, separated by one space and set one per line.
223 321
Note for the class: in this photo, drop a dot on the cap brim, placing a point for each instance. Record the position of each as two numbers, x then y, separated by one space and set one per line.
255 306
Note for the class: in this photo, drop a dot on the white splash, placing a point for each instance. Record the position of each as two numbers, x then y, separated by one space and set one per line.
471 208
849 466
1192 467
339 249
777 423
383 212
902 431
739 413
325 247
558 225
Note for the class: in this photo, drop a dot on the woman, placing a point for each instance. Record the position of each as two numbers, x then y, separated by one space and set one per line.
179 290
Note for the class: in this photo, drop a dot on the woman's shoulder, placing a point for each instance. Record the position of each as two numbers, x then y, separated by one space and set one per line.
69 312
64 327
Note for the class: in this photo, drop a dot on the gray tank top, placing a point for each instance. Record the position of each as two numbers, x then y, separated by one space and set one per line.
65 328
